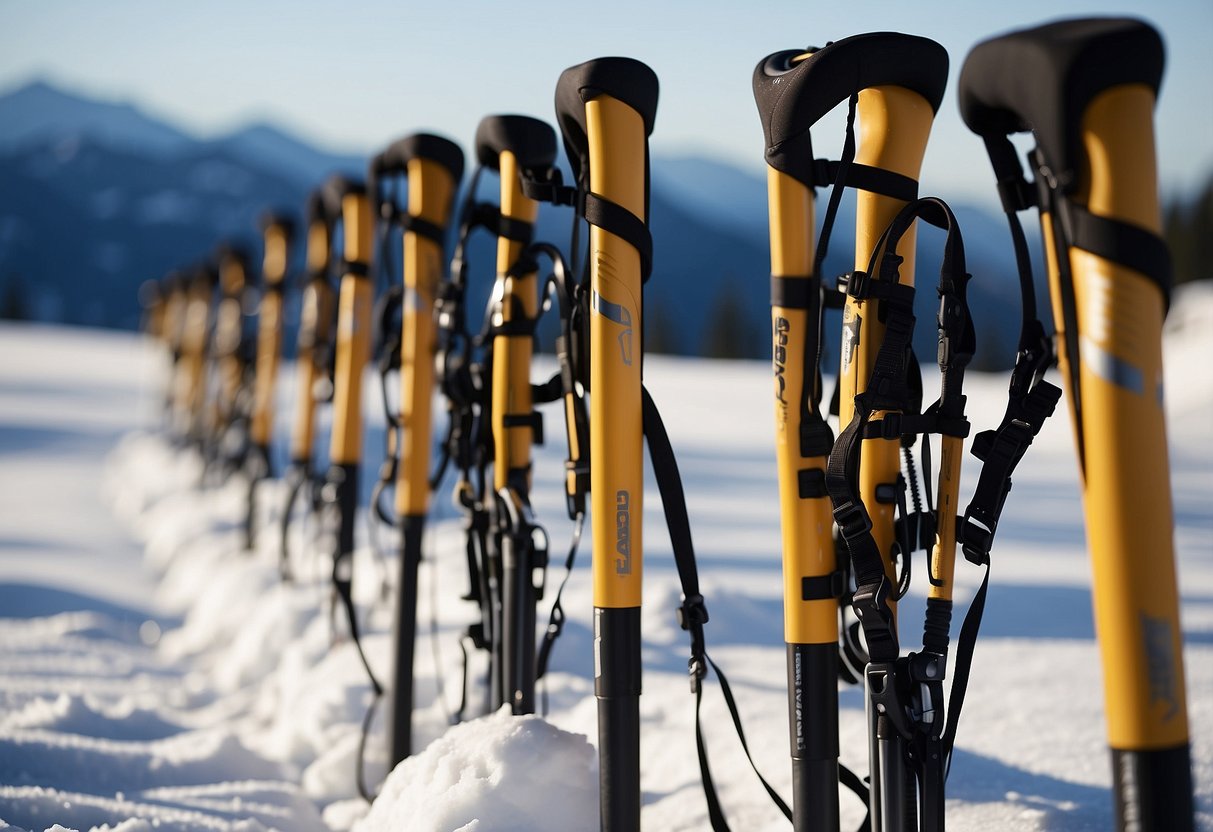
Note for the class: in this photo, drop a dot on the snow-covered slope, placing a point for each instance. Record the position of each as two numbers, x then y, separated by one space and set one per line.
176 683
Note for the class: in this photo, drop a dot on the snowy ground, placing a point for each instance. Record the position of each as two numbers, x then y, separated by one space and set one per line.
153 676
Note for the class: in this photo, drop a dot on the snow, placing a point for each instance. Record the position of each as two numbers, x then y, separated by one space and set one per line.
155 676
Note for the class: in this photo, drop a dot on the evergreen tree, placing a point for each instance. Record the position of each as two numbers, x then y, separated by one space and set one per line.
731 331
14 306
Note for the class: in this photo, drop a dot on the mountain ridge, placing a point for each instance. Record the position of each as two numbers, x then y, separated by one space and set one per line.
144 197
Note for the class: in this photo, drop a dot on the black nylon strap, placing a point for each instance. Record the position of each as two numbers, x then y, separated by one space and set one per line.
424 228
693 614
674 504
964 664
1000 451
1125 244
866 178
811 483
556 618
715 813
355 267
822 587
794 291
549 391
615 219
551 190
488 215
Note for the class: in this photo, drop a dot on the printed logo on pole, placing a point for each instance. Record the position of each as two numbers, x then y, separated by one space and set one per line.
617 314
623 533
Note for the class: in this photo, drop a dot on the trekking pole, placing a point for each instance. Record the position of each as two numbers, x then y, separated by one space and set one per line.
230 354
1086 89
191 395
277 232
515 146
173 290
433 167
152 299
353 345
312 353
153 324
606 110
894 84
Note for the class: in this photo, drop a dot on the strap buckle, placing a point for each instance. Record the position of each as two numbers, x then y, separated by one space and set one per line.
881 678
871 605
692 612
852 519
858 284
692 615
975 532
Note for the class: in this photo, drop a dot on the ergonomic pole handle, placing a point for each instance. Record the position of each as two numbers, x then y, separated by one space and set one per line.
795 88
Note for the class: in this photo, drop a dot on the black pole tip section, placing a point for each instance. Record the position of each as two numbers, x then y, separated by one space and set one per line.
395 159
624 79
343 477
532 141
404 636
413 525
1042 79
619 764
616 651
813 701
814 794
1153 790
793 95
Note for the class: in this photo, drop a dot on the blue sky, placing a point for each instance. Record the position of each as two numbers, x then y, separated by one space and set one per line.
354 76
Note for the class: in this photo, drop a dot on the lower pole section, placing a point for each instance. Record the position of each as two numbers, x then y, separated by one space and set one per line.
400 715
258 466
519 611
813 724
617 686
1153 790
896 809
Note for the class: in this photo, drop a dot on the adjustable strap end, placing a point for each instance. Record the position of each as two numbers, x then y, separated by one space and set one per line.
692 615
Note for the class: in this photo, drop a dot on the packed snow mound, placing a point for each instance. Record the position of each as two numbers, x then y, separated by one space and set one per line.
500 772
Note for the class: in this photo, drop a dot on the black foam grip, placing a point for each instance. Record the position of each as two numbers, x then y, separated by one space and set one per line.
424 146
793 95
533 142
625 79
1042 79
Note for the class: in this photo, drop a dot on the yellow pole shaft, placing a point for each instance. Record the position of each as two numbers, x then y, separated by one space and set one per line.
894 124
431 191
511 385
616 142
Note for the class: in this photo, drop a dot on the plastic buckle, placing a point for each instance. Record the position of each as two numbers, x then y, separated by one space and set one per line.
1016 194
858 284
881 678
852 520
976 536
890 425
697 669
692 612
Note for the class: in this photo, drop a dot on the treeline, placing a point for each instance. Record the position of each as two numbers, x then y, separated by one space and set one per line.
1188 227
